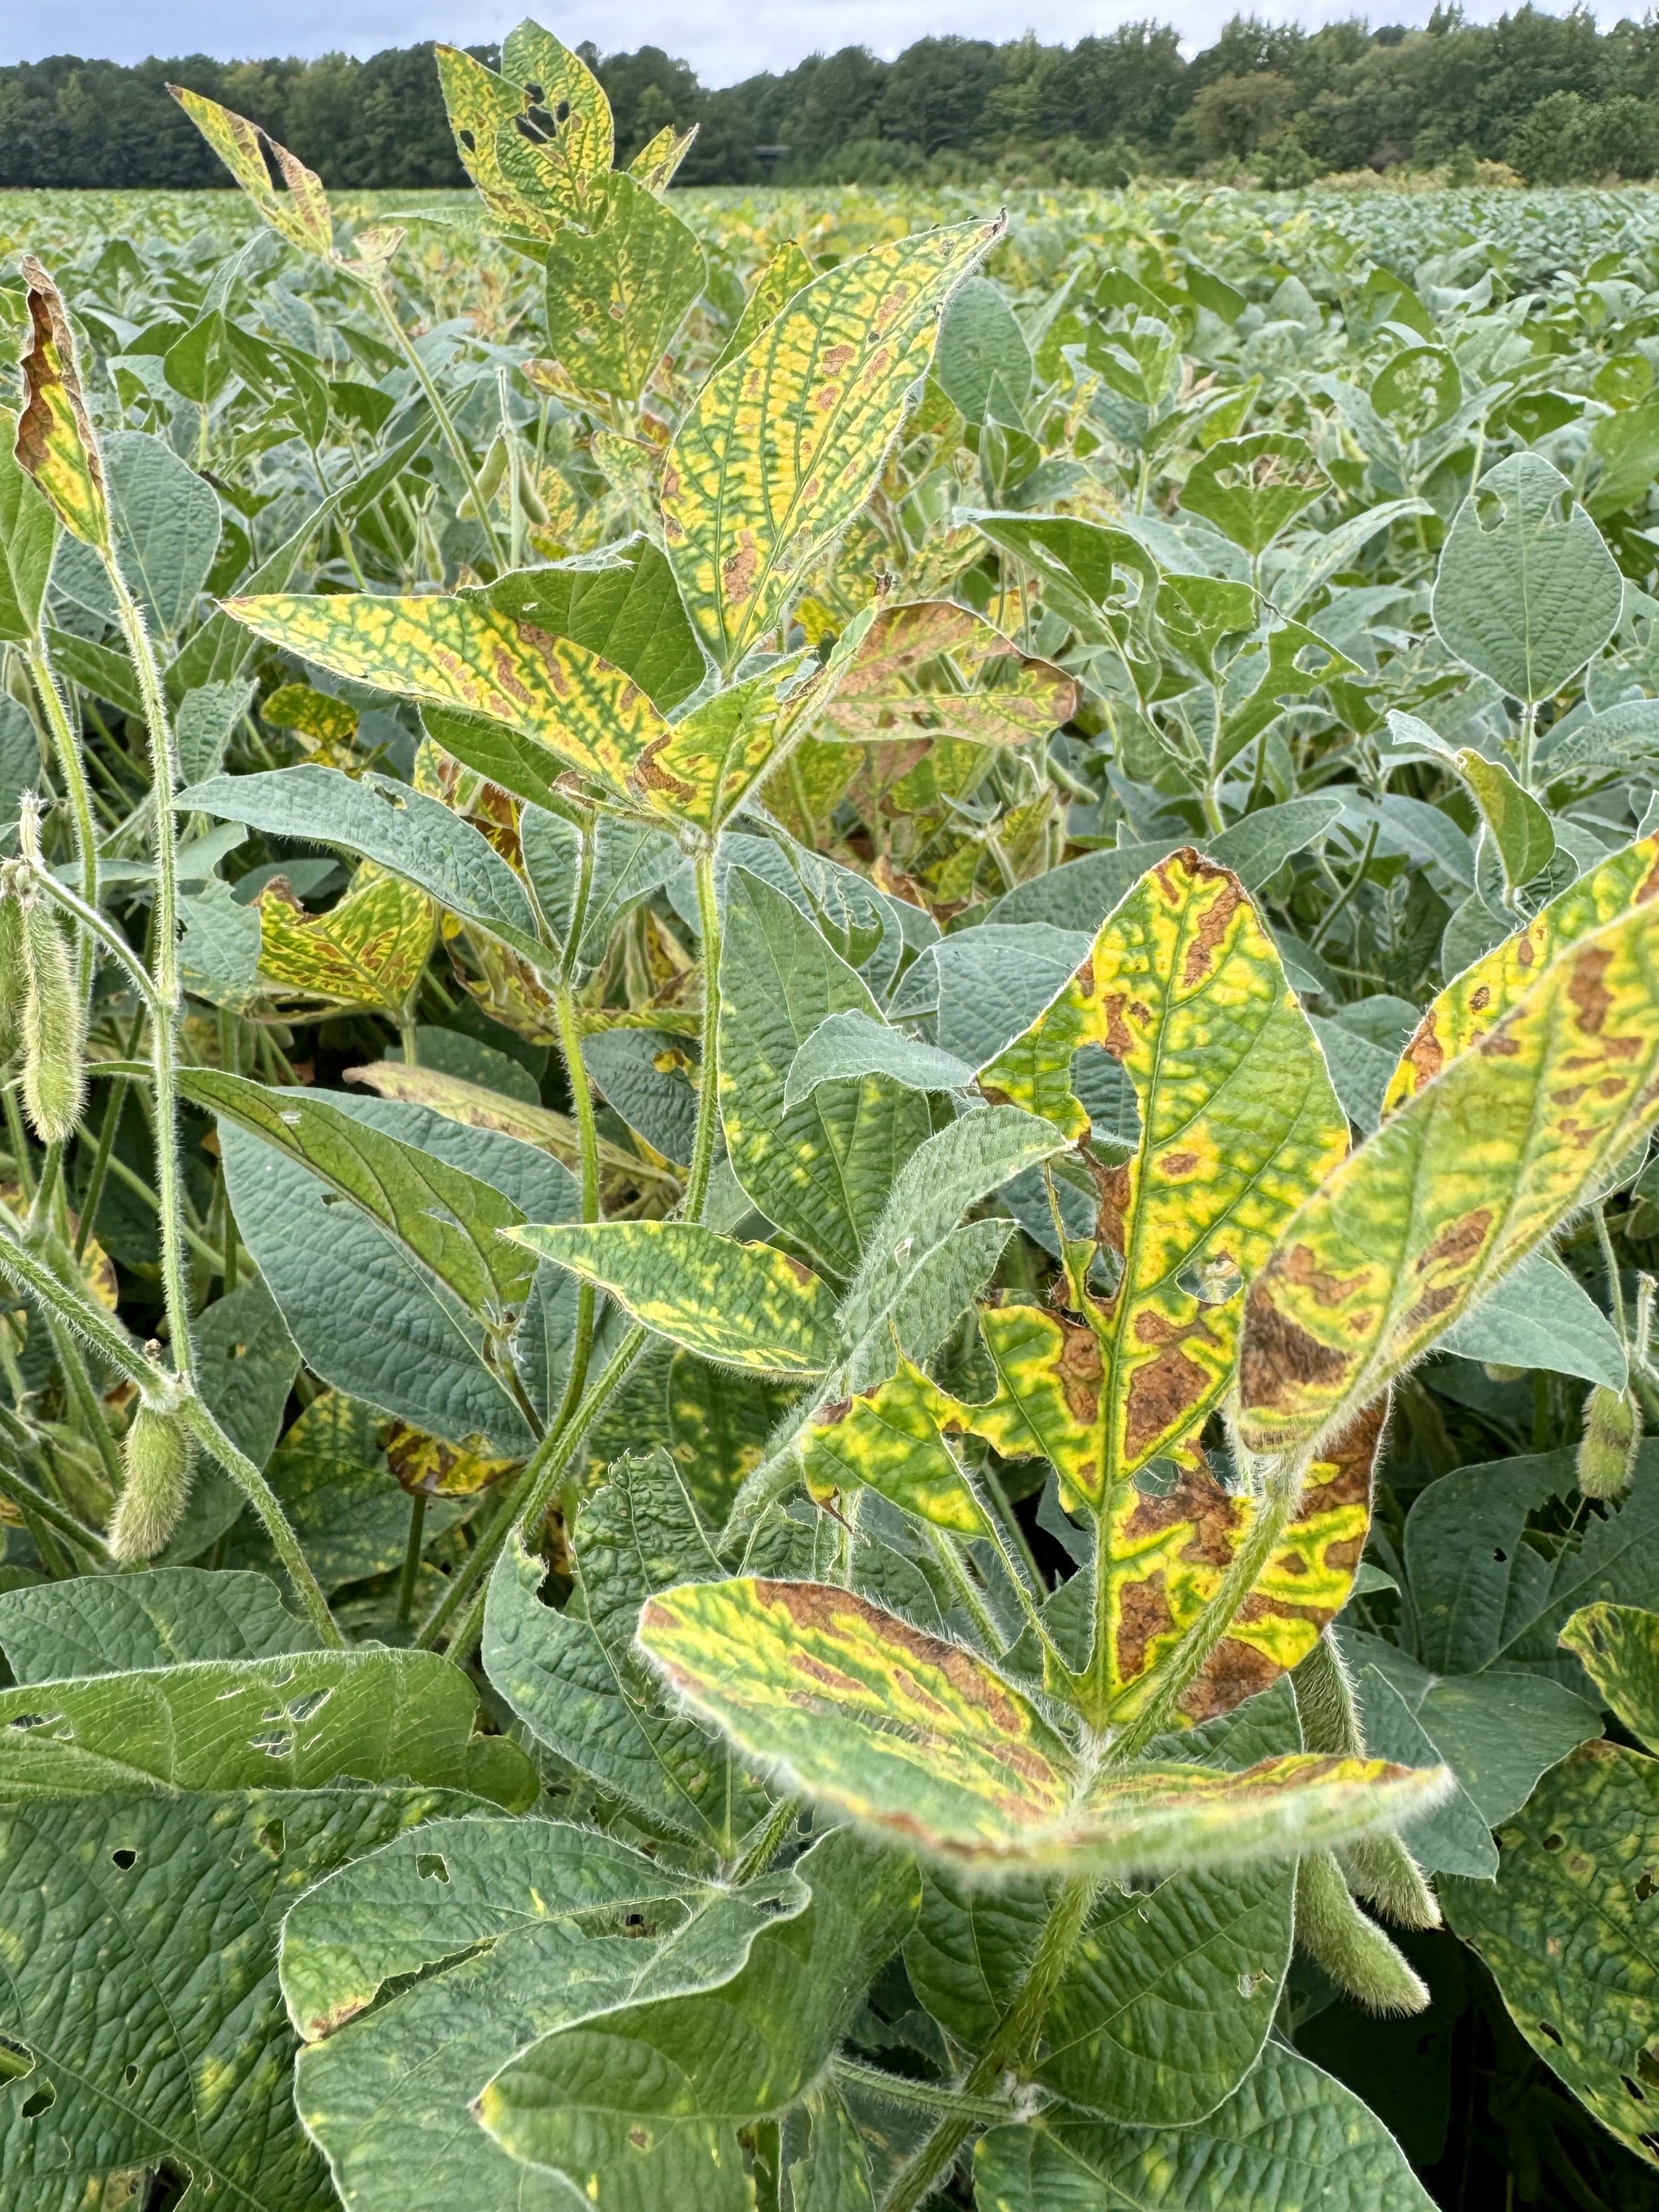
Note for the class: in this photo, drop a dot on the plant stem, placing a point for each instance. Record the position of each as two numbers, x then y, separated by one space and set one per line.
904 2090
260 1496
164 1023
452 437
1010 2044
86 1401
703 1148
411 1556
67 741
1610 1261
24 1494
93 1197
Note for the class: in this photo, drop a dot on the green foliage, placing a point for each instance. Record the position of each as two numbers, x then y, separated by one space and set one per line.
876 1004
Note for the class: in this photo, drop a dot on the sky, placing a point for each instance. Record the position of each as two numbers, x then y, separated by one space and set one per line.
723 40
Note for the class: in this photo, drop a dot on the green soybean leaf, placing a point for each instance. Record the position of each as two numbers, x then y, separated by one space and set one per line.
167 525
821 1168
114 1623
643 2107
1258 846
974 1774
983 363
501 1932
854 1044
1252 487
1521 830
1165 2006
1566 1931
1619 1647
784 445
292 1722
447 1220
385 821
1454 1189
171 1895
1290 2137
745 1304
1527 590
1538 1317
575 1682
620 602
618 289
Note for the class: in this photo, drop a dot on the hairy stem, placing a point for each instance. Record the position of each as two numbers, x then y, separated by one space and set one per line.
67 742
263 1500
164 1022
451 437
1010 2044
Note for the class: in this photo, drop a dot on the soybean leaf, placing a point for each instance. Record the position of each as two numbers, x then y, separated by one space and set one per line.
500 1933
1477 1000
56 443
1619 1646
300 213
113 1623
1538 1317
447 1220
618 289
933 669
292 1722
990 981
1456 1188
1288 2137
620 602
573 1677
747 1305
974 1774
1527 590
1238 1124
1164 2006
784 445
854 1044
1257 847
1521 830
893 1440
786 273
984 365
647 1078
167 525
1080 895
385 821
821 1169
28 537
1252 488
366 950
685 2073
1565 1930
179 1900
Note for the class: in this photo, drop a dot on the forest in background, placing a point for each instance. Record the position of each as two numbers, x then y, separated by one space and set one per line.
1552 98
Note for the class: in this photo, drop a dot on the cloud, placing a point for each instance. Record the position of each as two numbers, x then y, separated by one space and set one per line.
722 41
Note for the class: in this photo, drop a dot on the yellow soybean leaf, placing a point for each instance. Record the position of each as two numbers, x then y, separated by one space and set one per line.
368 951
1478 1000
300 213
315 715
784 443
919 1739
456 652
56 443
530 165
1466 1179
935 669
745 1305
1162 1554
659 157
787 273
426 1467
894 1439
1238 1124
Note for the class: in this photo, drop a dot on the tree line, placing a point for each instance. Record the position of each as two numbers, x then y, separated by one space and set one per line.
1555 98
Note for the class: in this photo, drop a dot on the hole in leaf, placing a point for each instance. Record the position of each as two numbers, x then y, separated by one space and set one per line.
1544 2028
42 2101
1554 1843
1644 1885
301 1708
272 1839
1632 2088
431 1866
561 113
129 2075
468 141
30 1720
124 1858
1648 2067
1500 1555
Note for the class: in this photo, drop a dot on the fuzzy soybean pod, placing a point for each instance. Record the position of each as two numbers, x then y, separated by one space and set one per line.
1351 1947
156 1455
13 975
1607 1453
54 1027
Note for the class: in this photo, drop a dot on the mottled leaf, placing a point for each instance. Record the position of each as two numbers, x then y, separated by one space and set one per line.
924 1742
1619 1646
56 444
369 950
618 289
783 445
1460 1184
933 670
299 214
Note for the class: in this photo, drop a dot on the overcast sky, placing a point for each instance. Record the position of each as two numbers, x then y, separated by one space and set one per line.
722 40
